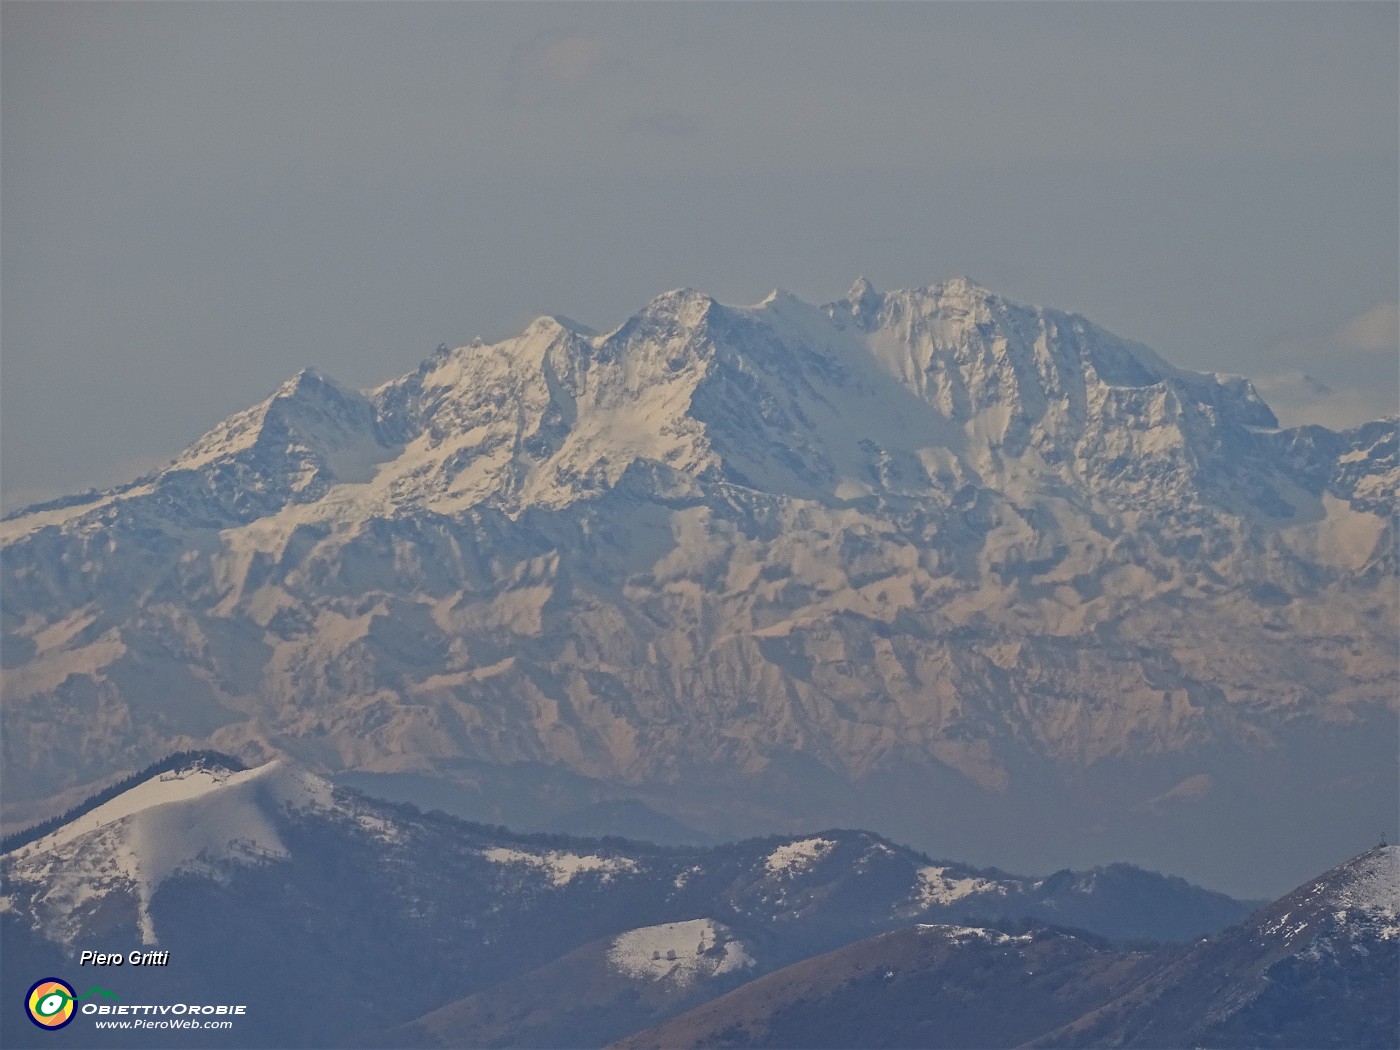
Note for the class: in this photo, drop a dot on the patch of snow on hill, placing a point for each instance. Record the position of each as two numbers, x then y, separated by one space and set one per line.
975 933
679 951
797 856
935 886
562 867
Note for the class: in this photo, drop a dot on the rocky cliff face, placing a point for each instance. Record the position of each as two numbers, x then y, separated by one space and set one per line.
778 546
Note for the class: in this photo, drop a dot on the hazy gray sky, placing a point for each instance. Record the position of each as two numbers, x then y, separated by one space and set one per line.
197 199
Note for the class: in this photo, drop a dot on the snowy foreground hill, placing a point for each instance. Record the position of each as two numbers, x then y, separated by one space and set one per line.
757 567
335 916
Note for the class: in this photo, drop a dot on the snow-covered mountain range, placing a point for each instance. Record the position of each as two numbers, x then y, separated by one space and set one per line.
743 563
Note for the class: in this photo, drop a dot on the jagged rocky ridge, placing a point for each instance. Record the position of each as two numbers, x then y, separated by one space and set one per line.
994 552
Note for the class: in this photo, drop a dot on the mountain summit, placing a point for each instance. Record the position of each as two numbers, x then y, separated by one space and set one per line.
776 563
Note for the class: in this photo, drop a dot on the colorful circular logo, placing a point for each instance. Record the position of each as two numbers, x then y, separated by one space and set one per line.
50 1003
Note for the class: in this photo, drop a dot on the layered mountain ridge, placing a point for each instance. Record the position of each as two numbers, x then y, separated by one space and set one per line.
213 863
1317 968
928 534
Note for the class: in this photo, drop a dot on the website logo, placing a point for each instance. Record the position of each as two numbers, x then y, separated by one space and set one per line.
50 1003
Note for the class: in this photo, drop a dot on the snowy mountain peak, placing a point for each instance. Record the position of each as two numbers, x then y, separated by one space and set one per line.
550 324
781 295
310 383
862 303
959 298
310 410
685 304
966 289
860 290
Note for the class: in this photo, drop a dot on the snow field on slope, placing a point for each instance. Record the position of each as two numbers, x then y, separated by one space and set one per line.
562 867
1374 890
936 887
175 786
170 823
975 933
679 951
797 856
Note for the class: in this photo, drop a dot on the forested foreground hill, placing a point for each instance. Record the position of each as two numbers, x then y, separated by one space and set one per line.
335 916
1317 968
